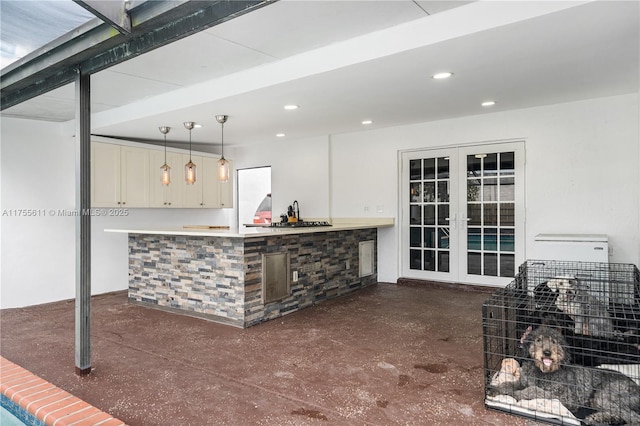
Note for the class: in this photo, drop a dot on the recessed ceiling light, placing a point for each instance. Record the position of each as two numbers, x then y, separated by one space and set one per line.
280 135
441 75
367 121
291 107
488 103
197 126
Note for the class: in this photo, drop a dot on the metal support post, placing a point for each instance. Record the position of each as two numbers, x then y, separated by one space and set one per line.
83 224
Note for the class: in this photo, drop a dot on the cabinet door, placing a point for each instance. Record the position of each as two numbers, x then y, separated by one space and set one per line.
134 175
157 191
174 192
105 175
169 196
192 195
226 189
210 187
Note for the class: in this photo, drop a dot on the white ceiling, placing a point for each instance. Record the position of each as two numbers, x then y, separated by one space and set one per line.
346 61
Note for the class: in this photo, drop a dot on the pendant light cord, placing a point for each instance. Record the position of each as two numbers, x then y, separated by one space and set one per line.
222 155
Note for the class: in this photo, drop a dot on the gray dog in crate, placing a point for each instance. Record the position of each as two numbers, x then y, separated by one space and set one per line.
547 373
589 314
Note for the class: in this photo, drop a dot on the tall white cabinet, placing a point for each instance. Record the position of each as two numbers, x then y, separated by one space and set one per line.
126 176
119 176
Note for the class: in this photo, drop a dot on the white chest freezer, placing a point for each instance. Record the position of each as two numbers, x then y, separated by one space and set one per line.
573 247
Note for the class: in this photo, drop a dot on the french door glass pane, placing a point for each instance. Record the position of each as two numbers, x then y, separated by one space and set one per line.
429 260
491 214
473 166
507 163
507 265
429 192
416 192
415 215
415 259
474 238
507 216
473 190
474 263
507 189
429 213
507 242
443 261
429 237
490 165
490 240
443 238
443 214
443 192
415 169
491 264
474 213
429 168
490 190
414 237
443 168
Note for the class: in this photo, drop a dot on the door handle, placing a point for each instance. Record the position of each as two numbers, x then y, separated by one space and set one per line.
452 221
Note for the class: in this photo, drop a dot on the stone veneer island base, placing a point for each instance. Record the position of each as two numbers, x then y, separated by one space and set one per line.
219 276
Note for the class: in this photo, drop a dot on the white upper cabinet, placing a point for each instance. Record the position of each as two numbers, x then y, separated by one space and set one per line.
207 192
125 176
134 177
105 175
192 193
210 189
225 190
119 176
169 196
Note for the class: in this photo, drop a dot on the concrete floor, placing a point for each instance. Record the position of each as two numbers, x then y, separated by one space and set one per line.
385 355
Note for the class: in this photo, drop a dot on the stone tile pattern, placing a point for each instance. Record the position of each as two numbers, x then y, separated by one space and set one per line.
320 259
220 278
199 275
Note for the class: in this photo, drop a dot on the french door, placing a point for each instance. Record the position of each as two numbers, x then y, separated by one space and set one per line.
463 213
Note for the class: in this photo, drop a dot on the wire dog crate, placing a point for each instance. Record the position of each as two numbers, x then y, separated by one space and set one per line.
595 307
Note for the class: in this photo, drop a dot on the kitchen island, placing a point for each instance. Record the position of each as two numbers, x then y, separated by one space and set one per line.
245 276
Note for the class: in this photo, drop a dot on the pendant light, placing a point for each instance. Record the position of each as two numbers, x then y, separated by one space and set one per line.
190 168
223 164
165 170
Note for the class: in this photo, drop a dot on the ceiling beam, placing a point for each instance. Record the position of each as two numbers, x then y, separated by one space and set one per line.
154 24
111 12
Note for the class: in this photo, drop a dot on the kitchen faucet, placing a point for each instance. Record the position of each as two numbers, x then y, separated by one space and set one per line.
297 208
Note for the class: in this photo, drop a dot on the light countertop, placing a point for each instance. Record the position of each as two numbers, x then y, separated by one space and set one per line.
343 224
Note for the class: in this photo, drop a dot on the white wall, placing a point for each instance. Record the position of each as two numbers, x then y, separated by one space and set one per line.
582 173
582 176
299 171
38 253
